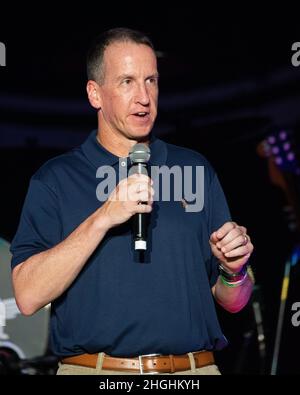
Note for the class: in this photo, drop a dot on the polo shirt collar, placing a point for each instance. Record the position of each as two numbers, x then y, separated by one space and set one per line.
99 156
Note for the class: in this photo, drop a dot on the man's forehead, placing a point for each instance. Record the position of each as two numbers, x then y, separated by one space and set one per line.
128 57
122 49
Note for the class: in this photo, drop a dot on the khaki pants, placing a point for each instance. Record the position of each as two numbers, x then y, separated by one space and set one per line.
66 369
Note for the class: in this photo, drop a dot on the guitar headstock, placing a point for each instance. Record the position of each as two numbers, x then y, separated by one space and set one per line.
281 149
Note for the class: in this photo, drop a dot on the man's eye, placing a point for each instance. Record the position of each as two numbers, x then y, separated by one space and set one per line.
127 81
152 80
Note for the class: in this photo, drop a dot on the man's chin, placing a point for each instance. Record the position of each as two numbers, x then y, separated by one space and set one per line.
141 135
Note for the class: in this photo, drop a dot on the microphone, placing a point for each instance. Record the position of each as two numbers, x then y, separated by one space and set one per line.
139 156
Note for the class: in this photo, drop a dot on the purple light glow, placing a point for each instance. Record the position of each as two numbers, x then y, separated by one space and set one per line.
290 156
275 150
286 146
271 139
282 135
278 160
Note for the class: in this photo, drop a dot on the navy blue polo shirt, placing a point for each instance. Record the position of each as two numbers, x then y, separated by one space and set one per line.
123 303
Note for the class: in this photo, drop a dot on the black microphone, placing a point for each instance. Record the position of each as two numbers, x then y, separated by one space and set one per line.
139 156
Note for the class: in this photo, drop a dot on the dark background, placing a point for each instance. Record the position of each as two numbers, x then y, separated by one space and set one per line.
226 83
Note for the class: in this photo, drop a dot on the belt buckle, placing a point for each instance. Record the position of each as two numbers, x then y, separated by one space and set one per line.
141 363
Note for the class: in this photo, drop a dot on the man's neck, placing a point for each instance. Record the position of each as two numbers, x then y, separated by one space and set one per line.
118 146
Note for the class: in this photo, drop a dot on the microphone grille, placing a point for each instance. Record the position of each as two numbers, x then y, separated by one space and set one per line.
139 153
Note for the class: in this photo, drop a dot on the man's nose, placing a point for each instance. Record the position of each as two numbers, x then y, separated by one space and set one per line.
142 95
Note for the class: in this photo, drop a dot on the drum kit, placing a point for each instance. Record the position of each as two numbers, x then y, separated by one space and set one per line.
23 340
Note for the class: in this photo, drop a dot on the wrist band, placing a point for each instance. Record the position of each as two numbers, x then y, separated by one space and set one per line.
233 277
233 284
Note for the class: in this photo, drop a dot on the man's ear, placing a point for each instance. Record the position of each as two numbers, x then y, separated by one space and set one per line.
93 93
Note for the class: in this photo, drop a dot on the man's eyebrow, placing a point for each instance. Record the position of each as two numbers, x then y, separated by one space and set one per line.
124 77
130 76
155 75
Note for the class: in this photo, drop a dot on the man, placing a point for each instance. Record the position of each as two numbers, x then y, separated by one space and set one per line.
109 311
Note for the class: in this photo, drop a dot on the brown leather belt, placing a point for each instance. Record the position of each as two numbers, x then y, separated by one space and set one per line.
153 363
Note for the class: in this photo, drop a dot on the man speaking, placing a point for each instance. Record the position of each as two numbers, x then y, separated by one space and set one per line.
110 314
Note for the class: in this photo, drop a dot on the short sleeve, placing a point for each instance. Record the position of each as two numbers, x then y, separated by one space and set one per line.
218 214
40 227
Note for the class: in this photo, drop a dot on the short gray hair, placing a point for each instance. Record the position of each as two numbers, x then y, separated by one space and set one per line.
95 69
